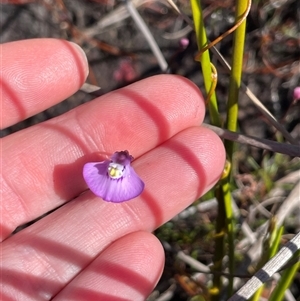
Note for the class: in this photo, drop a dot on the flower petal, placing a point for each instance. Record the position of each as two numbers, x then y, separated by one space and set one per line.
112 190
94 174
125 188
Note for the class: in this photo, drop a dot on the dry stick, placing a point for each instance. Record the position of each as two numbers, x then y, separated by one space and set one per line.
260 207
90 89
257 102
203 268
147 34
118 14
77 33
283 148
289 204
292 178
267 271
197 265
245 89
268 115
177 34
167 294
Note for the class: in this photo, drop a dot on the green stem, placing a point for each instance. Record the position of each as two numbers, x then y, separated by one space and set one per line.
205 61
231 124
236 74
215 291
230 231
225 215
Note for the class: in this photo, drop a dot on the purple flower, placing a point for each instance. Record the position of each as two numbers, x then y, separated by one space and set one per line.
113 180
296 93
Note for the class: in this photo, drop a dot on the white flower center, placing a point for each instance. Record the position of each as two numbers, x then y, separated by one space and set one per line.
115 170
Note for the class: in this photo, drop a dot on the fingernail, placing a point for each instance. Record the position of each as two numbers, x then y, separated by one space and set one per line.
80 50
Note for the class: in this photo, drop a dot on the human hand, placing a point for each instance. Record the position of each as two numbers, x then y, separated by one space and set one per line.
89 249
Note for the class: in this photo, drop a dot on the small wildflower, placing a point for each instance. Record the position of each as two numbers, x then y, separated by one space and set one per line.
184 43
296 94
113 180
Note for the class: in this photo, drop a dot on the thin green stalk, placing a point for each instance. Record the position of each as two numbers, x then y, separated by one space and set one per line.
205 61
225 215
216 120
215 290
232 117
257 295
275 240
236 73
229 230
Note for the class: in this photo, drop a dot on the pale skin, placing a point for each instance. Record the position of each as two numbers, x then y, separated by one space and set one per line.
89 249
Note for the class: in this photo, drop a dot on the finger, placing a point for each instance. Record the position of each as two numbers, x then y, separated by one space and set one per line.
43 164
63 243
126 270
37 74
19 1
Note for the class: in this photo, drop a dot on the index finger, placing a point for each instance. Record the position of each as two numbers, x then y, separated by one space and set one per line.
37 74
